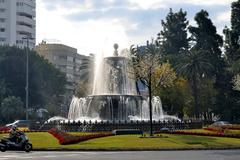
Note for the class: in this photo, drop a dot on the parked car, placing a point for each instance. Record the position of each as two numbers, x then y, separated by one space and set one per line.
220 123
20 123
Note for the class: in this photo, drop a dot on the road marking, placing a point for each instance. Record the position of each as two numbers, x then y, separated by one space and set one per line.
10 156
48 156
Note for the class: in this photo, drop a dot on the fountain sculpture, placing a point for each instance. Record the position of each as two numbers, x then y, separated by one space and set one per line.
114 95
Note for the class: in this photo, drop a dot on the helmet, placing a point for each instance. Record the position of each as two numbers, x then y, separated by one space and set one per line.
14 127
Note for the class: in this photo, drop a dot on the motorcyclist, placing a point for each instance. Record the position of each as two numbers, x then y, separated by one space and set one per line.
14 134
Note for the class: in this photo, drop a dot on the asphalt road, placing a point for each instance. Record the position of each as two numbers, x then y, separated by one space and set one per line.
141 155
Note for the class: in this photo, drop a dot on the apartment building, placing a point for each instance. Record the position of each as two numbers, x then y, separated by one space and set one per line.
67 60
17 21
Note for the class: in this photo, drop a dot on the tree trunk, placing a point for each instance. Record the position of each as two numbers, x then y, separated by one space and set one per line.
150 104
195 96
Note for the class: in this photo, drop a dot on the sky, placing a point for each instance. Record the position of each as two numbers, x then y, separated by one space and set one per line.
93 26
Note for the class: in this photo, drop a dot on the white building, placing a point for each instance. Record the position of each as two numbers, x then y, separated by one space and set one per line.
17 20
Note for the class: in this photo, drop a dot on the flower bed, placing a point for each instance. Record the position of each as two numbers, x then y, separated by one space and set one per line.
213 134
214 129
64 138
232 127
4 129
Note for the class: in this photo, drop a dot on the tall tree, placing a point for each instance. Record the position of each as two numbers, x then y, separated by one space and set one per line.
204 37
177 99
173 38
46 82
8 109
232 39
194 65
150 71
145 63
228 106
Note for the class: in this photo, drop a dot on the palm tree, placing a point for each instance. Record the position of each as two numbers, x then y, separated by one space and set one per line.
194 65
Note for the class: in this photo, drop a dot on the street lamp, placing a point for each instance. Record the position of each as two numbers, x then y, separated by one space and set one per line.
27 38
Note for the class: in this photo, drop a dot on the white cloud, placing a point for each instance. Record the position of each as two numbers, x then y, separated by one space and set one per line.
90 34
223 17
205 2
150 4
156 4
87 36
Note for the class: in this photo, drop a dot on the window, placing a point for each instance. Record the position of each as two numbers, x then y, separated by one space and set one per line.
69 76
70 59
2 39
19 41
19 3
78 61
2 20
2 10
2 29
70 67
62 67
54 58
63 57
2 1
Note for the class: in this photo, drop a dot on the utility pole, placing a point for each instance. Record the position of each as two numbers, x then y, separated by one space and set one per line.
27 38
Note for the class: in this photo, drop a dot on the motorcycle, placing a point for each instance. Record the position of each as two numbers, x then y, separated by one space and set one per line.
23 143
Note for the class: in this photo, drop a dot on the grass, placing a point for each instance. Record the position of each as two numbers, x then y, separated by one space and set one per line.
133 142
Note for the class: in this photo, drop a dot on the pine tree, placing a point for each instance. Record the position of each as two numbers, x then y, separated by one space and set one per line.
228 102
205 37
232 39
173 37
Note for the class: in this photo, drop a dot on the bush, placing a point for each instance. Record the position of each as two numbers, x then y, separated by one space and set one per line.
11 109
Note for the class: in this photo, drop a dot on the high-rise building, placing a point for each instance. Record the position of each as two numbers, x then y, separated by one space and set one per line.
17 21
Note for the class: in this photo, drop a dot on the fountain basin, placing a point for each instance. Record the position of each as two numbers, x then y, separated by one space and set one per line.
111 107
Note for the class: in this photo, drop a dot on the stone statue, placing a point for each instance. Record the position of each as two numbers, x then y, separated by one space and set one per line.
115 50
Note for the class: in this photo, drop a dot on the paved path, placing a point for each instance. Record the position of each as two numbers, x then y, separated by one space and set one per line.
142 155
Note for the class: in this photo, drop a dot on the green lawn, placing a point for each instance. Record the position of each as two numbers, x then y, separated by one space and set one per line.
124 142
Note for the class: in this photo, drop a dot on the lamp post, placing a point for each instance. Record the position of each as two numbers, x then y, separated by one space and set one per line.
27 38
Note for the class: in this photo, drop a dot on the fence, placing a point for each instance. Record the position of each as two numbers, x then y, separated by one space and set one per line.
72 126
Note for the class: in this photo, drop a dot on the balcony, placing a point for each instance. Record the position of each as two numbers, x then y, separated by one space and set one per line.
26 29
26 10
3 14
26 20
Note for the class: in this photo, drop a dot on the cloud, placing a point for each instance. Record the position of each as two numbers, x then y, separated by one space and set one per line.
205 2
223 17
133 4
88 24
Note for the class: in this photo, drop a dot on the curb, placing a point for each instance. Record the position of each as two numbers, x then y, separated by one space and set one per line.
124 150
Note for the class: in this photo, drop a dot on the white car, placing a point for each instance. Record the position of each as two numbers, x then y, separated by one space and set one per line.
19 123
221 123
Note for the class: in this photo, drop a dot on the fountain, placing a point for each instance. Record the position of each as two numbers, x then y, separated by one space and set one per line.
114 96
